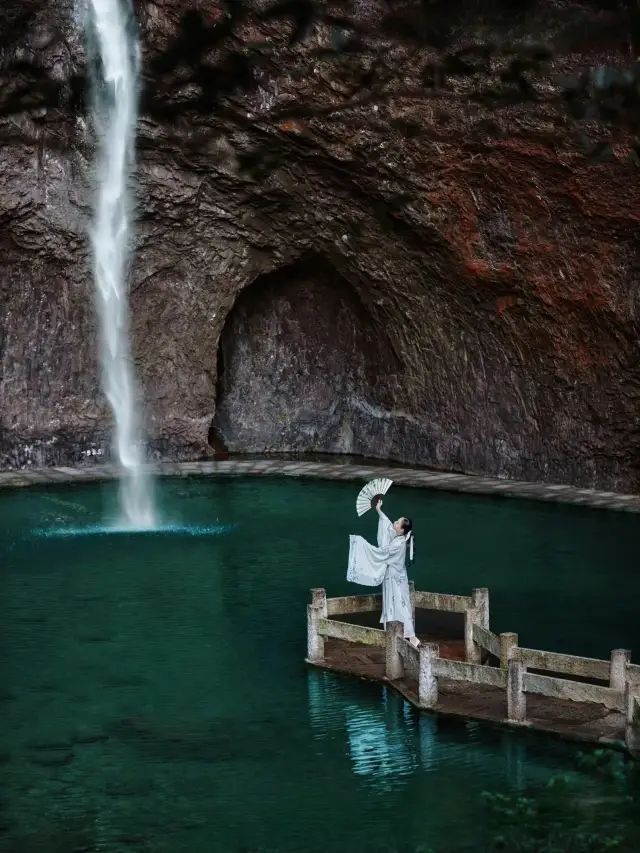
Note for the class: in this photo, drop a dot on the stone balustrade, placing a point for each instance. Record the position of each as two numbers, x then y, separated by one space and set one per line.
491 661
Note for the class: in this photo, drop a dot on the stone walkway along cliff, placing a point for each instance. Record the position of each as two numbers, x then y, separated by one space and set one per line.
412 477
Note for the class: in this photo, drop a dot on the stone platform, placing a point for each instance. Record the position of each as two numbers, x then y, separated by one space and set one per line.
413 477
578 721
465 670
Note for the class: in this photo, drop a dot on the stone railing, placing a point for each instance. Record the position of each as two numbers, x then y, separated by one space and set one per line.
474 608
632 707
620 690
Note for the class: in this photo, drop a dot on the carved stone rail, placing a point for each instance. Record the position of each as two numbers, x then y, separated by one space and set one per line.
486 640
566 664
618 691
353 633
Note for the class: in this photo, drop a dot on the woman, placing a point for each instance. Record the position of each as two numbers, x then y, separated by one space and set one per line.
386 565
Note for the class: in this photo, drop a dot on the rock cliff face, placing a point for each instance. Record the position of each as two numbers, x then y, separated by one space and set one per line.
466 298
300 343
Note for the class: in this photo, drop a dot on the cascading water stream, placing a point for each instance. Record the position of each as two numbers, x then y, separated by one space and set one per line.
111 36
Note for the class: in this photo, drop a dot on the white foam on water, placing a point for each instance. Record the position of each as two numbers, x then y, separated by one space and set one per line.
105 530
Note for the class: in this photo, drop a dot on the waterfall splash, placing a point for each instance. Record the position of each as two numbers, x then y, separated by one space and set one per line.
115 68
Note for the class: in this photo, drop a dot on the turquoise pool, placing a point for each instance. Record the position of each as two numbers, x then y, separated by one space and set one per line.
154 695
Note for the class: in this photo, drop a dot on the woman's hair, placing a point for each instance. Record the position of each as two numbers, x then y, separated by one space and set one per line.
407 527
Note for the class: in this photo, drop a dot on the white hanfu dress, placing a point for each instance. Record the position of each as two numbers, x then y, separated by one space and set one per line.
386 565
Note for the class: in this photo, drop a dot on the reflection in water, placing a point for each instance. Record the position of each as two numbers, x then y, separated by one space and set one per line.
428 729
388 740
156 682
384 739
378 742
516 757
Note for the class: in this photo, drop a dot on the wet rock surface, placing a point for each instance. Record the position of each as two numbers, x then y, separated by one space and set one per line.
302 344
488 324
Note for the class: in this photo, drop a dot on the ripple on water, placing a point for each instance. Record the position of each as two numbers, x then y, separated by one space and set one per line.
166 687
106 530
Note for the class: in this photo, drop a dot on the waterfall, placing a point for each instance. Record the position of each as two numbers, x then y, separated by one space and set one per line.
112 46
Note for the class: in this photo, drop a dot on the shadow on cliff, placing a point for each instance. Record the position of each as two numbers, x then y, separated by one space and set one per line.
302 367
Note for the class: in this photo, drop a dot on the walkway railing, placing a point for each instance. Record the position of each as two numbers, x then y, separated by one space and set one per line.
632 707
619 690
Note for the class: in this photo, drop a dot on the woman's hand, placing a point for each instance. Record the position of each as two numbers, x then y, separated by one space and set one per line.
379 506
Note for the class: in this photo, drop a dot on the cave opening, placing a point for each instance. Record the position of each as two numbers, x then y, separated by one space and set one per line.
214 438
302 368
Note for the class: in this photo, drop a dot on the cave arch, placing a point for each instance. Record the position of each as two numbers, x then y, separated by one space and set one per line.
302 368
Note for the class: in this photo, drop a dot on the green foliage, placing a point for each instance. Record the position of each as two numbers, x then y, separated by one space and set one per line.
594 811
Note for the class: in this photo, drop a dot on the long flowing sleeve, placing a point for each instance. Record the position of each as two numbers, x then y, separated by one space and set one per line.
368 564
385 531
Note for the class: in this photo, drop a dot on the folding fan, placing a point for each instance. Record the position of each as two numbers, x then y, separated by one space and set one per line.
370 494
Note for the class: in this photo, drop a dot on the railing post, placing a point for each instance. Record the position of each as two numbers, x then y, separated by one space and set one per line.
632 705
394 663
618 673
427 681
481 603
471 651
319 597
508 641
315 642
516 698
477 613
469 646
412 593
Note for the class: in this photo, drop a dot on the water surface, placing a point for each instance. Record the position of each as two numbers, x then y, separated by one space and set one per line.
153 695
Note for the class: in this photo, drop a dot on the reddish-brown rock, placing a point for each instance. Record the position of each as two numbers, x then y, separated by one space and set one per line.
486 322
